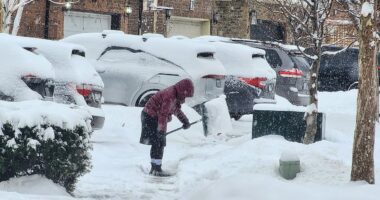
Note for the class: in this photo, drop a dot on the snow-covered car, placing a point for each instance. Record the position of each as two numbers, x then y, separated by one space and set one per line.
25 75
250 79
76 80
291 66
134 68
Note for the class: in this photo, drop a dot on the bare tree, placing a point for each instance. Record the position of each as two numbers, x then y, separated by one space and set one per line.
8 9
363 14
307 19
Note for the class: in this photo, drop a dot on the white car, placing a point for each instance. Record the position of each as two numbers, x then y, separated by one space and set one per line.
76 80
25 75
250 79
133 68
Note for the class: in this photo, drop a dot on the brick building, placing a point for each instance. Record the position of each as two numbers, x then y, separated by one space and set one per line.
191 18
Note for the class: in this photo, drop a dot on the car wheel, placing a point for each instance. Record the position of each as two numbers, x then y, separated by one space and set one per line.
236 116
144 98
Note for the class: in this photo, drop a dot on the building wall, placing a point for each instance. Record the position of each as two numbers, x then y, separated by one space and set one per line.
234 16
156 21
233 20
33 19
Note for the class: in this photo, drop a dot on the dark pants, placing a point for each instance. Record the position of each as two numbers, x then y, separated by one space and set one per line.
149 136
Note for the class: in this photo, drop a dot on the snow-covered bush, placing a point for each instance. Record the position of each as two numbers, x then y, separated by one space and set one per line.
44 138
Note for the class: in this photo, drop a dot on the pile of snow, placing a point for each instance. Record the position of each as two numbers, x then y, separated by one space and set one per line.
17 62
68 67
35 113
219 121
32 185
282 104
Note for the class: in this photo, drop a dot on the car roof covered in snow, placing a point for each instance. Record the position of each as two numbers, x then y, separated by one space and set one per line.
182 53
17 62
285 47
68 60
242 60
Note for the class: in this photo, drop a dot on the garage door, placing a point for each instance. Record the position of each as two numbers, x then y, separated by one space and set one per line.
190 27
81 22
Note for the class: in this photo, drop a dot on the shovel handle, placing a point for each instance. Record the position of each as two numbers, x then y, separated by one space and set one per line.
177 129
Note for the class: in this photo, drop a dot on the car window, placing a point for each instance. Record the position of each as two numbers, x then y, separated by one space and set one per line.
273 58
300 62
136 57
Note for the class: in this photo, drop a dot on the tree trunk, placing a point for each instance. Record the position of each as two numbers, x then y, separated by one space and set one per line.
1 16
17 20
367 103
312 111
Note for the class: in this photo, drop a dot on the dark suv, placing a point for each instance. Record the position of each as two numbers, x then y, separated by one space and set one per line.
339 71
291 67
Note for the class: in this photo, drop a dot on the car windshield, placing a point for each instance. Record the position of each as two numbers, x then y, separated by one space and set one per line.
300 62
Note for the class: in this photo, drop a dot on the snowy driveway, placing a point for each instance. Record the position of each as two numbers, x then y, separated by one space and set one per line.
230 166
219 167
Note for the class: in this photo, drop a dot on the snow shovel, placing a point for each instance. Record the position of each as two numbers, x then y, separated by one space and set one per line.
177 129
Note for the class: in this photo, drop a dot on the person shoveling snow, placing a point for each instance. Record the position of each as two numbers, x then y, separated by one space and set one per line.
157 113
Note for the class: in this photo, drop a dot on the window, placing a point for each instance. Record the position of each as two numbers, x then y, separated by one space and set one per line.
147 4
273 58
192 4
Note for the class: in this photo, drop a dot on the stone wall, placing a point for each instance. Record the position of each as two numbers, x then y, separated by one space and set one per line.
233 18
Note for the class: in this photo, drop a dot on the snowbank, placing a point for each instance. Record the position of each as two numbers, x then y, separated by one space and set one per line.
32 185
219 121
35 113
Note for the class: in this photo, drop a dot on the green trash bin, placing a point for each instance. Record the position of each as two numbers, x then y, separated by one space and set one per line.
289 124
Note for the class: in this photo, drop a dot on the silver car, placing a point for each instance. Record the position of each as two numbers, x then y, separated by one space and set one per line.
134 68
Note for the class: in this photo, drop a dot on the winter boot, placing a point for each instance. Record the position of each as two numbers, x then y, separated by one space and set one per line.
157 171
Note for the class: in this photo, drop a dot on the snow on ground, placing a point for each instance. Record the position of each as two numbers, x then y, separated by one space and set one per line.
226 166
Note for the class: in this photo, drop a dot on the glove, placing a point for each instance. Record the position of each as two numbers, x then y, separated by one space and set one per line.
186 125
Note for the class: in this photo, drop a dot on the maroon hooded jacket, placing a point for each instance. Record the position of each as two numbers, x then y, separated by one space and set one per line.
168 101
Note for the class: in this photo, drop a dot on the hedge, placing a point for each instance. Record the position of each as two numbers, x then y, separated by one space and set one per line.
59 154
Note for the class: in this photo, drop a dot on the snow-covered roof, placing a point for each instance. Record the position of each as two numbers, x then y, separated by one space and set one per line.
17 62
69 66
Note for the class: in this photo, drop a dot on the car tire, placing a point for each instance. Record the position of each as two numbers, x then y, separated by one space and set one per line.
236 116
144 98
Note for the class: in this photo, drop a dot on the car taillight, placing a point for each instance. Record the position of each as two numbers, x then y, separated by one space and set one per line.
213 76
259 82
29 78
291 73
84 89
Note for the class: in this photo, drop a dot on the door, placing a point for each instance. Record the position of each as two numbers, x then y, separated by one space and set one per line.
189 27
82 22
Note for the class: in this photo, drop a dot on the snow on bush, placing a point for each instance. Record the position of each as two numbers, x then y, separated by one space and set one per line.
44 138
